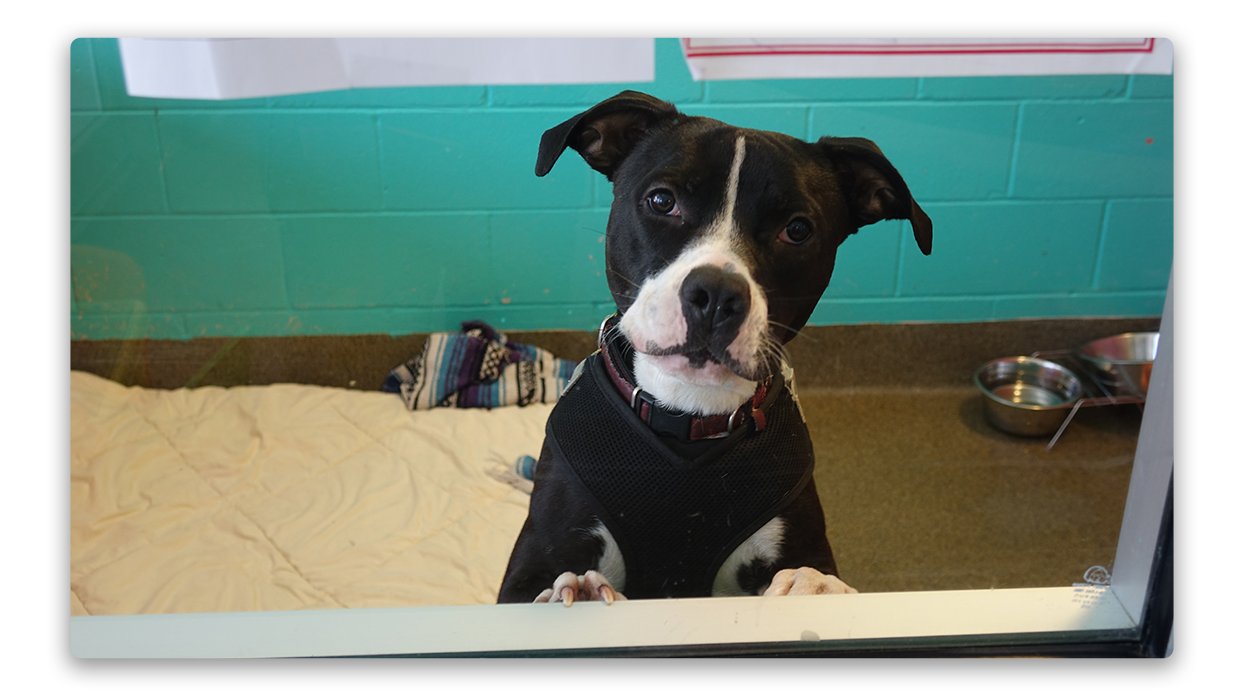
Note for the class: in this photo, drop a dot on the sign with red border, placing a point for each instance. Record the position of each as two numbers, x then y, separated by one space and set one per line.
725 59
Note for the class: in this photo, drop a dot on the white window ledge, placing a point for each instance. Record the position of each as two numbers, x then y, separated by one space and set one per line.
649 624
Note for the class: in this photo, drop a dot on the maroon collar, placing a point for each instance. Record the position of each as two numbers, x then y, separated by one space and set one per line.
617 351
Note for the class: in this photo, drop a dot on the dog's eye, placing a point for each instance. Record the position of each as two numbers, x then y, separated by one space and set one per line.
662 201
796 231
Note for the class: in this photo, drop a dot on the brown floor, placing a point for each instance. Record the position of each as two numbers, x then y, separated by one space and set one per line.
920 492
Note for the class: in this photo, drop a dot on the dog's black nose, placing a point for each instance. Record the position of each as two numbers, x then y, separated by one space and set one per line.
714 302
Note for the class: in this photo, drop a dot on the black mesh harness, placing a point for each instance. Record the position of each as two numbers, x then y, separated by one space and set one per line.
676 510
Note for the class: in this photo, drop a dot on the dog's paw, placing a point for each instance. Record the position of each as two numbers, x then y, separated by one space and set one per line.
806 581
570 587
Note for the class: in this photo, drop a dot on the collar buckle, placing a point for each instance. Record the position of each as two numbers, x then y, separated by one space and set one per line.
730 422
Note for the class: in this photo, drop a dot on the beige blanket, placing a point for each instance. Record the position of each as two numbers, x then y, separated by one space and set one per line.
287 497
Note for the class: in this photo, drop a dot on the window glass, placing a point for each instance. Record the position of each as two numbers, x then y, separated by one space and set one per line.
248 275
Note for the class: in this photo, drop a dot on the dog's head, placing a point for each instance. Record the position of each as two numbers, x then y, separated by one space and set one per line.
721 240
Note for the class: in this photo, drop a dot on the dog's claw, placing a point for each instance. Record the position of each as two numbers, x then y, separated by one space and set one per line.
570 587
806 581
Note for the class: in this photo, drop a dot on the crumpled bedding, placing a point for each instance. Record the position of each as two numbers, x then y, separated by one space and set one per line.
287 497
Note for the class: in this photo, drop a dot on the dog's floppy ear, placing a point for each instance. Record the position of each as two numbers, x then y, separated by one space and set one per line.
606 133
879 192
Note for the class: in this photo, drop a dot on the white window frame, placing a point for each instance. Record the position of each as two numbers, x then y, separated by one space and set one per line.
1110 619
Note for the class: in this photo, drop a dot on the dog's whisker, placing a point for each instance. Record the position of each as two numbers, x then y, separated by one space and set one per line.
772 353
796 332
612 271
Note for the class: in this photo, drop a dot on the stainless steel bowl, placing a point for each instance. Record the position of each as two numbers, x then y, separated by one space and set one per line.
1027 396
1123 362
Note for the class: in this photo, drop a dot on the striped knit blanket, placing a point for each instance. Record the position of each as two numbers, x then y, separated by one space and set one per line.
478 368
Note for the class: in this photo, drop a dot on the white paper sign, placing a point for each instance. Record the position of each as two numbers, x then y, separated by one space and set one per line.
735 59
246 68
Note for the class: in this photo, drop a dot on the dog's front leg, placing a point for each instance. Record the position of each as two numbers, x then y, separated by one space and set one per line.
589 586
806 581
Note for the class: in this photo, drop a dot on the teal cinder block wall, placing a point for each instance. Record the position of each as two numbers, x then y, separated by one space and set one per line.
411 210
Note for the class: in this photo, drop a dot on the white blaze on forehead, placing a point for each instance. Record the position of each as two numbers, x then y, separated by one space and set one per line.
732 187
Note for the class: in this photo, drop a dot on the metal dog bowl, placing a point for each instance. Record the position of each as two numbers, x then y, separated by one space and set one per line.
1123 362
1027 396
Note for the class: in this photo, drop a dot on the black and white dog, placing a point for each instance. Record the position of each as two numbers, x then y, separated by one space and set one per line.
677 462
